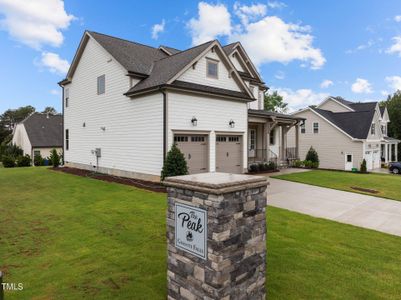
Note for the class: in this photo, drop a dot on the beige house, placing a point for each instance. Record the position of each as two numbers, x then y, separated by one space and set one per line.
39 134
344 133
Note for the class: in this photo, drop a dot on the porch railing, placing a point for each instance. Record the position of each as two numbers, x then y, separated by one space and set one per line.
291 153
261 156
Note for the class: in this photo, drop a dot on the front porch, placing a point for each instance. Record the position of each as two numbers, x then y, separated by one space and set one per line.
388 150
267 138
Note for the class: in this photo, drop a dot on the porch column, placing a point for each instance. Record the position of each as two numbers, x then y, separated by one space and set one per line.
386 153
297 141
266 136
396 152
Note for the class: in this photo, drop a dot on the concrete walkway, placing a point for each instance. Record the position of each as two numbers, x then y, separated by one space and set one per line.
345 207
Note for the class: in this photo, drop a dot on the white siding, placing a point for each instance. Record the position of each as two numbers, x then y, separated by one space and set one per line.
236 63
132 140
198 75
376 120
330 143
333 106
20 138
212 115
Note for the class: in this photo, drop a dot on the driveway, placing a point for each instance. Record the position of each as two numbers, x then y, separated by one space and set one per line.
345 207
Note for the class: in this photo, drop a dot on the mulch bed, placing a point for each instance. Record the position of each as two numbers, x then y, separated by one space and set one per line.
364 190
147 185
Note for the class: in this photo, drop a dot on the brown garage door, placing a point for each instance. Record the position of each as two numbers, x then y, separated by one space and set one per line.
229 153
195 151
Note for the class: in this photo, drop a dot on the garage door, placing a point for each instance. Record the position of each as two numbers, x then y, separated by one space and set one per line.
229 153
194 148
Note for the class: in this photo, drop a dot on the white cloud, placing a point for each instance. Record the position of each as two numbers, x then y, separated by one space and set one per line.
301 98
361 47
54 92
361 86
35 22
397 18
396 47
252 12
212 21
266 38
54 63
271 39
326 83
384 93
276 4
394 82
157 29
280 75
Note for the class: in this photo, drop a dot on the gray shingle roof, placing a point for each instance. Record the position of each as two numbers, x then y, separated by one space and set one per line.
44 131
229 48
171 50
132 56
166 68
266 113
363 106
356 124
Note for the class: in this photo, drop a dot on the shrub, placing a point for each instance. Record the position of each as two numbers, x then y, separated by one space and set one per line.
363 166
315 165
24 161
8 161
298 163
312 155
175 163
308 164
38 160
12 150
272 165
253 168
54 158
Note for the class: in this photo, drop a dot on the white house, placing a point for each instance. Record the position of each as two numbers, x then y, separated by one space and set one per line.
38 134
344 133
125 104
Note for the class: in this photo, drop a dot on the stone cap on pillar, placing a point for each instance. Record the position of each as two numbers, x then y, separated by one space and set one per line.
215 182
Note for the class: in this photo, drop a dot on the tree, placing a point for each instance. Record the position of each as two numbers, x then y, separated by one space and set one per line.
275 102
13 116
175 163
393 104
50 110
55 158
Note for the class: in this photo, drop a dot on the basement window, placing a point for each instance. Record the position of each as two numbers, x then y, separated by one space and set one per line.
101 84
212 68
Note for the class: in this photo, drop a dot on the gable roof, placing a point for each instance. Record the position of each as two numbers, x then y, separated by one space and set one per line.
363 106
44 130
169 50
356 124
134 57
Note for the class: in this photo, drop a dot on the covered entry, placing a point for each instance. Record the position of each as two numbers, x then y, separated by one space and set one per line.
229 153
195 149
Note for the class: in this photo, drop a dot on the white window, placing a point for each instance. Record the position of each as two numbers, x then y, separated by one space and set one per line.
67 139
66 96
315 127
303 129
101 84
212 68
252 139
373 129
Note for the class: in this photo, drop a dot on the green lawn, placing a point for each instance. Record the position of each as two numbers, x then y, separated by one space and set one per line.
388 185
68 237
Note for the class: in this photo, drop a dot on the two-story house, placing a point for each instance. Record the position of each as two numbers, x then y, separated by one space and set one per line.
344 133
125 104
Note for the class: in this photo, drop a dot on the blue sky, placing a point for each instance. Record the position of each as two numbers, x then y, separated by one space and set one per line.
305 49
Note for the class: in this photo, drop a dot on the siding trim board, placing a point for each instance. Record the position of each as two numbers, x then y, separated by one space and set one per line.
336 101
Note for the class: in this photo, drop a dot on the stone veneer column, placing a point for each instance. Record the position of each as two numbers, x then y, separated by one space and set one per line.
236 237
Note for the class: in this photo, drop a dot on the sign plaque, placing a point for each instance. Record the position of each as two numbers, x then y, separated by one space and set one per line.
191 229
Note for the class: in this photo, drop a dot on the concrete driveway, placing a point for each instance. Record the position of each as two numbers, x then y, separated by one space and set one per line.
345 207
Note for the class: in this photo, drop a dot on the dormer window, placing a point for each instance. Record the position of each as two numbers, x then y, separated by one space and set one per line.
212 68
373 129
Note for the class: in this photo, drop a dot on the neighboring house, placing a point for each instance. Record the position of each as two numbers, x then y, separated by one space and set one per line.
344 133
125 104
39 134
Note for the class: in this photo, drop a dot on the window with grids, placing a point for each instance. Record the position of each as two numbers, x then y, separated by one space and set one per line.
221 139
180 138
233 138
212 68
197 138
373 129
67 139
66 96
101 84
315 127
252 139
271 138
303 128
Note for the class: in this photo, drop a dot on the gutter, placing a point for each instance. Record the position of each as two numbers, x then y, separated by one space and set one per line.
164 123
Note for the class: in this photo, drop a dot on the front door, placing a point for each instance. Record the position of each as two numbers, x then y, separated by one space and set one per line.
349 162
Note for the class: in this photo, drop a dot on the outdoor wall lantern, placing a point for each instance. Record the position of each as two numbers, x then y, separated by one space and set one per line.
103 128
231 123
194 121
